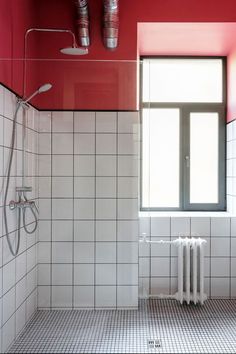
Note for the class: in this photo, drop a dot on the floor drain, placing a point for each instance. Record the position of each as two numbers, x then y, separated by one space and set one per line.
153 344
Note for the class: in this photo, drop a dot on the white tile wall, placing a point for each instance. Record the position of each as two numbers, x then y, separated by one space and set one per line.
158 263
88 250
18 282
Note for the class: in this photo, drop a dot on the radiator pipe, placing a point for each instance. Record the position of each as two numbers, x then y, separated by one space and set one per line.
110 23
82 22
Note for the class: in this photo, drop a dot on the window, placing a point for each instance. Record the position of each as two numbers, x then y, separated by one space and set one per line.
183 134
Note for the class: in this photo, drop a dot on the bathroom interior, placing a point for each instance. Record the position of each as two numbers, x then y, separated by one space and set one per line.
118 176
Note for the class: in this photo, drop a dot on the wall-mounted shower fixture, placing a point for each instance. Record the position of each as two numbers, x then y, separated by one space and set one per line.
83 22
110 23
74 49
23 204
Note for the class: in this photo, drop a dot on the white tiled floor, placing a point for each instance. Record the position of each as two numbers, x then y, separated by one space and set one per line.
180 329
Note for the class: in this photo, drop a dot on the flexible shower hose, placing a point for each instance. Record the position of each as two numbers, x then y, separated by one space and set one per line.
8 174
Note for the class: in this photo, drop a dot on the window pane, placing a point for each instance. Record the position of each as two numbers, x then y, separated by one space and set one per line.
204 157
182 80
160 182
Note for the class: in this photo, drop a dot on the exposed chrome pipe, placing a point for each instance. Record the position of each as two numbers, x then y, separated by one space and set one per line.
110 23
82 22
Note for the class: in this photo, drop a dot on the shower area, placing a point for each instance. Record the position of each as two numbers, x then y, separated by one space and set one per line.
83 267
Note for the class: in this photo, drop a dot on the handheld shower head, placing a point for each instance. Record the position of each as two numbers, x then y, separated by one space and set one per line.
41 89
44 88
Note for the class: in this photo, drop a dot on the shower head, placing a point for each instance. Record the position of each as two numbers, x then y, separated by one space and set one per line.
74 50
41 89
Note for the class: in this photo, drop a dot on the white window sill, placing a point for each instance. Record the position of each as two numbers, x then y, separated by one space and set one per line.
185 214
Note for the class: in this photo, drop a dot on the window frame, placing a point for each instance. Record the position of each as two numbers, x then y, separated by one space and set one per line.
185 108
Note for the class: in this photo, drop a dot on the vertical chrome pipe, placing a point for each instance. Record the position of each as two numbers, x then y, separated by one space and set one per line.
83 22
110 23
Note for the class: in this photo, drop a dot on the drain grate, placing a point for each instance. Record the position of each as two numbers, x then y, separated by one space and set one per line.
154 343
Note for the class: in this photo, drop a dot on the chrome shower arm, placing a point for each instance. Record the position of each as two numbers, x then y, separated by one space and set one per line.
55 30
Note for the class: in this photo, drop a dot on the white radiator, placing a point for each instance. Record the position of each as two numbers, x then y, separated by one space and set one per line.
190 270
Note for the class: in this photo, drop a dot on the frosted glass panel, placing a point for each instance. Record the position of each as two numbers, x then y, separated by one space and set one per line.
182 80
160 182
204 158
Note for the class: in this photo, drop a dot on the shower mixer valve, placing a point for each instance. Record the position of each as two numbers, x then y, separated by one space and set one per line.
22 204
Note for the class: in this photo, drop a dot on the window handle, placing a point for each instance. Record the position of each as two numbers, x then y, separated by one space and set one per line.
187 159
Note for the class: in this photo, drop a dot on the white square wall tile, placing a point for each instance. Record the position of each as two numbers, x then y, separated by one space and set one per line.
62 122
62 143
105 296
127 274
220 287
84 165
62 274
160 286
44 230
233 226
128 122
106 252
83 230
45 143
200 227
233 267
62 187
127 187
180 226
84 144
220 267
44 274
105 165
8 334
44 122
62 230
128 165
220 226
105 187
144 226
160 226
62 208
44 252
84 296
106 144
8 305
84 122
233 246
105 230
62 296
44 296
62 252
83 252
106 122
127 230
84 187
144 267
105 274
160 250
8 276
127 252
106 208
62 165
220 246
127 296
84 208
44 165
127 209
127 144
44 187
160 267
83 274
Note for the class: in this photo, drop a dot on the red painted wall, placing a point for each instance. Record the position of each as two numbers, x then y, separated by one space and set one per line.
91 85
